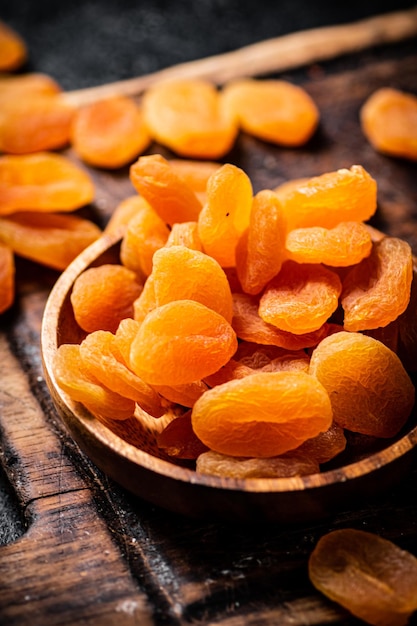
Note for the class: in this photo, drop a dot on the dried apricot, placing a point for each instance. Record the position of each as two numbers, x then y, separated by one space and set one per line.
260 250
324 446
7 277
72 378
185 234
389 121
178 439
102 296
185 395
195 173
345 244
262 415
109 133
344 195
181 342
42 182
167 192
188 116
370 391
51 239
368 575
125 333
226 214
377 290
276 111
18 86
123 213
284 466
13 50
301 298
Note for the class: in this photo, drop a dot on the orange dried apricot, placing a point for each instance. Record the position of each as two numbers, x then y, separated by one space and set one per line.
324 446
181 342
345 244
195 173
167 192
301 298
284 466
18 86
371 577
188 116
72 378
146 232
99 354
226 214
370 391
178 439
180 273
102 296
262 415
125 333
276 111
344 195
13 50
377 290
51 239
185 395
109 133
7 277
389 121
146 301
42 182
123 213
260 250
185 234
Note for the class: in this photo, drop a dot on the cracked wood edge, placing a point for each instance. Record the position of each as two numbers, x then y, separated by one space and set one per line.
272 55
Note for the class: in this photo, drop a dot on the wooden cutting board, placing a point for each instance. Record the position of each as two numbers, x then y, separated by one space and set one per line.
92 553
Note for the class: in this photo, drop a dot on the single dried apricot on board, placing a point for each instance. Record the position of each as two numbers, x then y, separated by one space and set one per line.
13 50
72 378
50 239
109 133
42 182
226 214
102 296
188 117
389 121
344 195
377 290
370 391
276 111
262 415
284 466
368 575
167 192
7 277
181 342
260 249
301 298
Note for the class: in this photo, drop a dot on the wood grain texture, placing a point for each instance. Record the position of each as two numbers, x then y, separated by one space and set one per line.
140 564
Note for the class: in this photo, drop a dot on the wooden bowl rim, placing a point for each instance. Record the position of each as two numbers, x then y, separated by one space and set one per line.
49 344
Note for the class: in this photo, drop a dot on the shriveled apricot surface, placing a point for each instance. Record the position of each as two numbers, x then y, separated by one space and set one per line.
13 50
285 466
345 244
370 391
273 110
51 239
260 250
72 378
110 133
377 291
333 197
262 415
7 277
185 234
99 354
324 446
188 117
200 278
146 232
226 214
103 296
368 575
42 182
301 298
389 122
168 193
181 342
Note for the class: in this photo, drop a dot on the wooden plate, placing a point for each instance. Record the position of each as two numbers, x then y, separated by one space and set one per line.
127 451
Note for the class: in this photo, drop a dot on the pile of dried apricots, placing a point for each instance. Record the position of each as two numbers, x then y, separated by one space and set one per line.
278 321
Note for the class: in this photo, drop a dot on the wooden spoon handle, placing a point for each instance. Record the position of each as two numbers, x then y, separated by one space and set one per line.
272 55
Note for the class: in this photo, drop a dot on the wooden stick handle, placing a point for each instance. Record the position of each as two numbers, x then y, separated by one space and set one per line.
269 56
